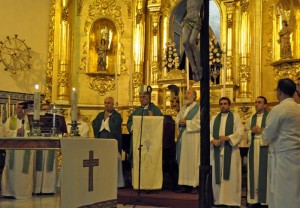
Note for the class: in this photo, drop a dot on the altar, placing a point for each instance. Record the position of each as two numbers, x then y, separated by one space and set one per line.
89 176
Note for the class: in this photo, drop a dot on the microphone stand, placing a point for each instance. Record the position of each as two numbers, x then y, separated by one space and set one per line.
140 156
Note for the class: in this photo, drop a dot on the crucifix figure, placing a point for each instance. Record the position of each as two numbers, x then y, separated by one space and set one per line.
191 28
91 162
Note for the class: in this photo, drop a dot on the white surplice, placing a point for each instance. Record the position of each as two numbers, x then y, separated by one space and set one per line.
190 148
257 143
14 182
228 192
45 181
283 132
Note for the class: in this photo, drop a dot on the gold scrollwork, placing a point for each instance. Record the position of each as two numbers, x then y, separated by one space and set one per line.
102 84
244 113
230 12
49 70
286 69
175 74
63 79
244 5
123 67
105 8
65 13
137 78
139 16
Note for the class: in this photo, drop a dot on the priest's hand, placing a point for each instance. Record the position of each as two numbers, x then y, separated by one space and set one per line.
150 113
182 122
256 130
106 115
224 138
216 142
20 132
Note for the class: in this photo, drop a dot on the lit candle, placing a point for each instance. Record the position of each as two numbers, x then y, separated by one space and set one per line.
37 100
74 105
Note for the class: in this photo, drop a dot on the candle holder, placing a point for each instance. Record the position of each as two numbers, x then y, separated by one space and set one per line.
54 129
36 128
74 129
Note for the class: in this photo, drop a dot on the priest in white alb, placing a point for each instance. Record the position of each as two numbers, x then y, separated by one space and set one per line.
226 133
17 176
188 143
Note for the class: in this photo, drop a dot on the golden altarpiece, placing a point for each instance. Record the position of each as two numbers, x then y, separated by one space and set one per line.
111 47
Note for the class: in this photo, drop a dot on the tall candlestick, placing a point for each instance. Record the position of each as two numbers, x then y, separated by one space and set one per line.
1 113
148 74
13 109
187 66
54 112
74 105
8 109
37 100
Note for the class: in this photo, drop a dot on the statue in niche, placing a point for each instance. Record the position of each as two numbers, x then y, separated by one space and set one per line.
103 49
102 53
191 29
284 41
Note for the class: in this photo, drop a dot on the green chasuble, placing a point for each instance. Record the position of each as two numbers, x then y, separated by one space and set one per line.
227 147
263 163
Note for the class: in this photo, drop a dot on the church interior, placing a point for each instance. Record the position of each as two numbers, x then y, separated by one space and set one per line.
104 48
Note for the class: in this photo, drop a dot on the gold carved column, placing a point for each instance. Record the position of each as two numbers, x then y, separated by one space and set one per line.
138 48
155 14
64 56
244 69
230 9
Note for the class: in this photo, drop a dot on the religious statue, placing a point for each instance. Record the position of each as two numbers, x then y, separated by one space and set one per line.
284 41
102 53
103 48
191 29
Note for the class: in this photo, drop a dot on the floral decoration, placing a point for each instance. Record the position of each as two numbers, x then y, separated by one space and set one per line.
215 53
170 59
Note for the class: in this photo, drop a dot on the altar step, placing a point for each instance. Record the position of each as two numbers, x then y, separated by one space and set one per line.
160 198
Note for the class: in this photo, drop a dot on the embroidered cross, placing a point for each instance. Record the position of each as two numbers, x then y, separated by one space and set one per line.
91 162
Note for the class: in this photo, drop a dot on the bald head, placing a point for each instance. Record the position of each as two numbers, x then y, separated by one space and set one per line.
109 104
190 96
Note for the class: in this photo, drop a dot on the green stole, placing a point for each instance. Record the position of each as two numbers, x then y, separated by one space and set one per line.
263 163
227 147
27 153
189 116
50 160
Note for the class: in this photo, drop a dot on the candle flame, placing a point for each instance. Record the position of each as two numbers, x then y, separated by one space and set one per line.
73 89
36 86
